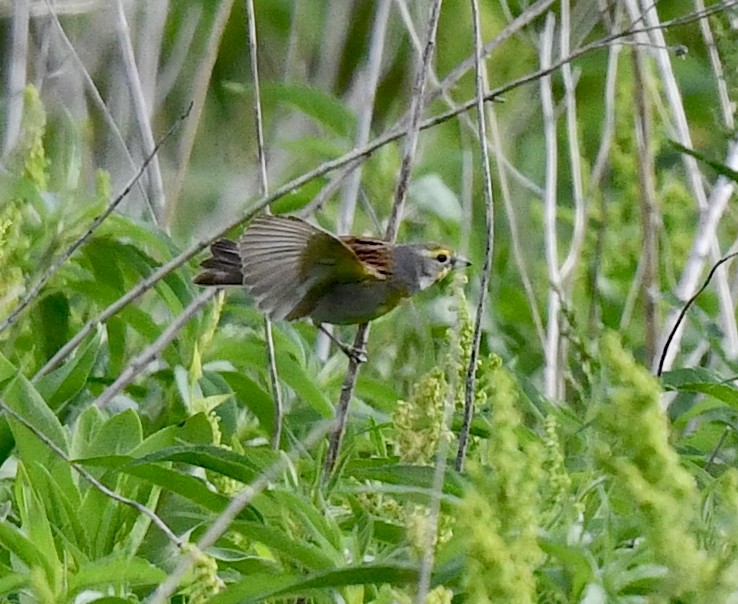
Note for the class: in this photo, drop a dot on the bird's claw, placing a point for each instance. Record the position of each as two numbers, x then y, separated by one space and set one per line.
357 355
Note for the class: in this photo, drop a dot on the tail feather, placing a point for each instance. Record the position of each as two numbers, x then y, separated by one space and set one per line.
223 267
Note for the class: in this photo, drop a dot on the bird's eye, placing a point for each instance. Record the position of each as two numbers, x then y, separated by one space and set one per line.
442 258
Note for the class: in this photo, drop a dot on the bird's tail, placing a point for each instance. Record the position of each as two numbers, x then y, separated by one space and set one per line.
223 267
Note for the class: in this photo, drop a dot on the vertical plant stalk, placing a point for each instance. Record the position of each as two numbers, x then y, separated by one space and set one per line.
264 191
552 370
16 74
156 186
515 236
712 207
368 89
471 370
726 107
571 262
411 143
649 216
598 171
199 94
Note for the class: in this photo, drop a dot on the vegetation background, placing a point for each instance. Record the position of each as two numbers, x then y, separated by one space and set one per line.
144 455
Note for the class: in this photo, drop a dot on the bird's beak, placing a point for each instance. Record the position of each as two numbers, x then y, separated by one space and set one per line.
461 262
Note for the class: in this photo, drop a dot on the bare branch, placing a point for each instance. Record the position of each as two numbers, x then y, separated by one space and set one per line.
264 190
403 179
489 216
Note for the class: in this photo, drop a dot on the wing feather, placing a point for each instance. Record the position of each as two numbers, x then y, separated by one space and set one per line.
288 263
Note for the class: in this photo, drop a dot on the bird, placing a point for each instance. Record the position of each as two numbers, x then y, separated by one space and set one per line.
296 270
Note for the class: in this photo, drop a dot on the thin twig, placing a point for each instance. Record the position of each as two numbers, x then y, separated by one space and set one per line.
137 364
36 288
142 509
489 216
338 427
264 190
684 310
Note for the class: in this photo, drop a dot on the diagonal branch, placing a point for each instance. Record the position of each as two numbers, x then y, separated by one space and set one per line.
403 181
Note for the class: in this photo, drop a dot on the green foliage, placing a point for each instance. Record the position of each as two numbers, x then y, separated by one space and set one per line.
604 495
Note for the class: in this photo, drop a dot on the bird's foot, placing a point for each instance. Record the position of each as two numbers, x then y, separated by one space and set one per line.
357 355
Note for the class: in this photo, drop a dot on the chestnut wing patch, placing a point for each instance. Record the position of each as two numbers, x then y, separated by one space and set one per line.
375 254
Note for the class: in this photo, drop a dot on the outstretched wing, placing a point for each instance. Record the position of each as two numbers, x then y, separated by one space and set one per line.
287 264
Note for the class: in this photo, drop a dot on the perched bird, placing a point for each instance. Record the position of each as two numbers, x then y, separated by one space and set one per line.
293 269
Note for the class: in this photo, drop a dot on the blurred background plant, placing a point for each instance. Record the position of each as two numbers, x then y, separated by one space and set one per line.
588 479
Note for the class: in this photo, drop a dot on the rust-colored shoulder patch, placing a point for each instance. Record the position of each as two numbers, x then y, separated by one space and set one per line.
377 255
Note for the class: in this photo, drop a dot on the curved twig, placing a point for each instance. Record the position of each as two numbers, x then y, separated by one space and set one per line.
685 308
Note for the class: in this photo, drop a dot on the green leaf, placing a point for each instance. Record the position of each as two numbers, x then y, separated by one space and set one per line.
67 381
292 373
118 435
314 521
50 319
719 167
413 477
256 399
296 550
189 487
255 589
14 582
324 108
243 467
98 574
35 523
195 430
698 379
13 540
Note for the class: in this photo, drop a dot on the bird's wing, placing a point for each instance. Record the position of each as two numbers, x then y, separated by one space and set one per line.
288 263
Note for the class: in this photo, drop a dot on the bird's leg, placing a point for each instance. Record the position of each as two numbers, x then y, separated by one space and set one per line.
358 356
